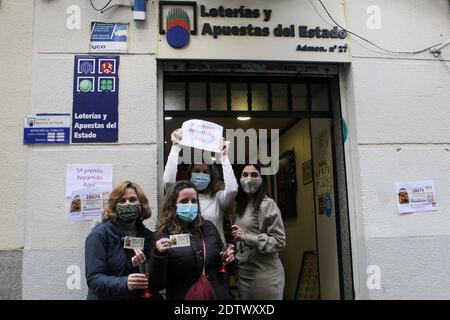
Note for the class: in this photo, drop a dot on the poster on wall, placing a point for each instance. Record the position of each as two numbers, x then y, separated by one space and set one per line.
47 128
109 37
95 99
87 176
323 171
88 204
416 196
325 205
324 177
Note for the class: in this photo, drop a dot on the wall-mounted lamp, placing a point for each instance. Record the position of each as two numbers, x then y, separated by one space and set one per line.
436 51
140 9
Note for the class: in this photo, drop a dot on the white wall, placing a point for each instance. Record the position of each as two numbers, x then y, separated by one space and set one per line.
52 244
16 19
15 82
399 108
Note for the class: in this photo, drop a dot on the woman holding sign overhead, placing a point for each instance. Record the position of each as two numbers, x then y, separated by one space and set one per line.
189 253
117 249
205 177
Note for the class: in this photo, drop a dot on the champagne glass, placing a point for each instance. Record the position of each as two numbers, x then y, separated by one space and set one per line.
232 218
144 269
237 244
225 248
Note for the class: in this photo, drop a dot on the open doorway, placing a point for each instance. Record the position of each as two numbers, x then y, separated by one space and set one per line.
301 102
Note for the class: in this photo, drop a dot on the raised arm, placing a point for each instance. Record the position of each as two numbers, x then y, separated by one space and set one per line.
170 171
226 196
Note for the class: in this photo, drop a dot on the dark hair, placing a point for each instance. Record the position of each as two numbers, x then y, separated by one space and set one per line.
243 198
167 213
215 184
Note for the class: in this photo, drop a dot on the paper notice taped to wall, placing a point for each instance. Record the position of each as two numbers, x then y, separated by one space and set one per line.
416 196
88 204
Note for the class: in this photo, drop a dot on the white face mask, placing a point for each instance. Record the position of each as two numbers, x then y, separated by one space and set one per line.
251 185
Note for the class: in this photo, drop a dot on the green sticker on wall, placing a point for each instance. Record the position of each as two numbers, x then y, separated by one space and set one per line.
86 85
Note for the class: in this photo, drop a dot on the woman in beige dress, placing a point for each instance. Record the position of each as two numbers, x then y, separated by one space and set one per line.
259 235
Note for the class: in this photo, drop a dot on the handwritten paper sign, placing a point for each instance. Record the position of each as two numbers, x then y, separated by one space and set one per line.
84 176
416 196
202 135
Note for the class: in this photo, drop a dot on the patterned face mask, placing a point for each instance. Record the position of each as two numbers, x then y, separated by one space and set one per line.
251 185
128 212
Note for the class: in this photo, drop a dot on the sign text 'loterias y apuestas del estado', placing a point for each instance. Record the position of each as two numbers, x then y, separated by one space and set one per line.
253 30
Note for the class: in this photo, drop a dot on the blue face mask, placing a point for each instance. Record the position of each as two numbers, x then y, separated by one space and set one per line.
187 212
201 180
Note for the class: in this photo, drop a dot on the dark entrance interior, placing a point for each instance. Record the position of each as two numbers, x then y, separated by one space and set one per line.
301 102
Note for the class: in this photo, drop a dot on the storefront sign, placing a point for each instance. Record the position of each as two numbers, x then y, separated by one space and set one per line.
293 31
109 37
415 196
47 128
95 99
88 176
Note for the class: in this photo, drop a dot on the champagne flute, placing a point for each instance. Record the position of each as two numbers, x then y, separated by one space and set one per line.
144 269
224 249
233 220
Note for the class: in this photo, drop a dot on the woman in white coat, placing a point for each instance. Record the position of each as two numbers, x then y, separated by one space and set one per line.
214 200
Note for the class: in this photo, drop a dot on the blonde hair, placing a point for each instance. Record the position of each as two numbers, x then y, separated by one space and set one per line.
118 192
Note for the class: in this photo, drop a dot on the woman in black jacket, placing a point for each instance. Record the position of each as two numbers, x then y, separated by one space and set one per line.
178 268
113 272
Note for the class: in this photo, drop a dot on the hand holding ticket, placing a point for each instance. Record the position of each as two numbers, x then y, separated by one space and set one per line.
175 241
180 240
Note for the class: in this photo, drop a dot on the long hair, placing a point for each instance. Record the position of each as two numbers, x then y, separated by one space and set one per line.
168 211
215 184
243 199
118 192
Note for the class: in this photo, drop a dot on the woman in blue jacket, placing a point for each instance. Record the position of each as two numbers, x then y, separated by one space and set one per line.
112 271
